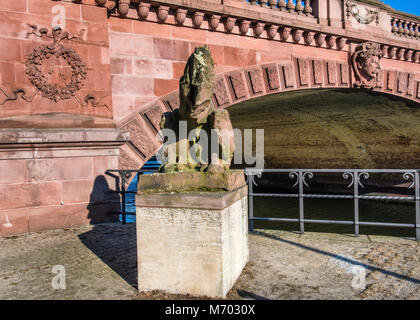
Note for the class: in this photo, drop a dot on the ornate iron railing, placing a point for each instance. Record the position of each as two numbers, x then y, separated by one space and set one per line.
354 177
122 176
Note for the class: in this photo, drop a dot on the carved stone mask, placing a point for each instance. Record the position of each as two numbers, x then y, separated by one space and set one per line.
366 64
370 67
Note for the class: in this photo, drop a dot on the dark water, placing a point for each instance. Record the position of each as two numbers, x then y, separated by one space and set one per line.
332 209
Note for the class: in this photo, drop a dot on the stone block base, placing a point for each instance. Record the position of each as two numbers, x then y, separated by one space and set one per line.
191 181
197 250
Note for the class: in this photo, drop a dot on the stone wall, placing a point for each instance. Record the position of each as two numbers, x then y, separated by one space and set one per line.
57 134
59 183
81 67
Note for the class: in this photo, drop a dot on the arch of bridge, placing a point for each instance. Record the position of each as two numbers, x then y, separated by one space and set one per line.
258 50
241 84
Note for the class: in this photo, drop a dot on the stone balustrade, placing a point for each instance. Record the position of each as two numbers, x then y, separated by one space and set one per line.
296 6
403 27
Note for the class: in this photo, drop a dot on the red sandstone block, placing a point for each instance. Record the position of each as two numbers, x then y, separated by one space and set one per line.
223 39
29 195
98 57
142 46
121 65
132 45
12 171
123 106
14 5
218 53
120 24
100 165
103 163
152 28
240 57
178 69
76 191
97 33
192 34
98 80
253 43
94 14
130 85
171 49
57 217
42 7
13 222
156 68
162 86
60 169
10 50
7 73
120 43
12 24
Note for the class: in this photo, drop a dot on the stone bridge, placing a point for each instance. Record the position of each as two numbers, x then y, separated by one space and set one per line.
88 96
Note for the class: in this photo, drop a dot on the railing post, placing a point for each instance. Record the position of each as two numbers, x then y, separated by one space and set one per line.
417 201
123 197
356 203
301 212
250 202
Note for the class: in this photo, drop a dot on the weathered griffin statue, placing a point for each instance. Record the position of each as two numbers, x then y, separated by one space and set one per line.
196 111
366 64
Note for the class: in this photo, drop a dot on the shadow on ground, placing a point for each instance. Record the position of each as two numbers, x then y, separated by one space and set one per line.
116 245
369 267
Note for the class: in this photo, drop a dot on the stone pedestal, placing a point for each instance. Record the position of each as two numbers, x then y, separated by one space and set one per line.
192 243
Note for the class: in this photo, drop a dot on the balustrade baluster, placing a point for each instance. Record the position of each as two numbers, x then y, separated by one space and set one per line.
263 3
400 27
290 6
308 9
406 28
411 30
272 4
299 6
282 5
394 25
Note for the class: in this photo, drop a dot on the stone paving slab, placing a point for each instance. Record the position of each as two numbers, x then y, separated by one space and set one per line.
100 263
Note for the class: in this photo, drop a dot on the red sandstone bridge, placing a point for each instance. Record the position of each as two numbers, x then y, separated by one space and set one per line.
88 96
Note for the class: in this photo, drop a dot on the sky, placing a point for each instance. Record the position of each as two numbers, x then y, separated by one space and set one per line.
409 6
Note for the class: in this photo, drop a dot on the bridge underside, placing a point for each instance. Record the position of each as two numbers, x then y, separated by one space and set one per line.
333 128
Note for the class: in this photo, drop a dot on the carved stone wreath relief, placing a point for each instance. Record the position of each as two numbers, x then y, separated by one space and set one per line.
369 17
56 72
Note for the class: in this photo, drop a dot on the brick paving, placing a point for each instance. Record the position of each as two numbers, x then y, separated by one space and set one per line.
100 263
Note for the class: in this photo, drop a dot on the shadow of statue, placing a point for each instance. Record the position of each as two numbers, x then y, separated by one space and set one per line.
114 243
